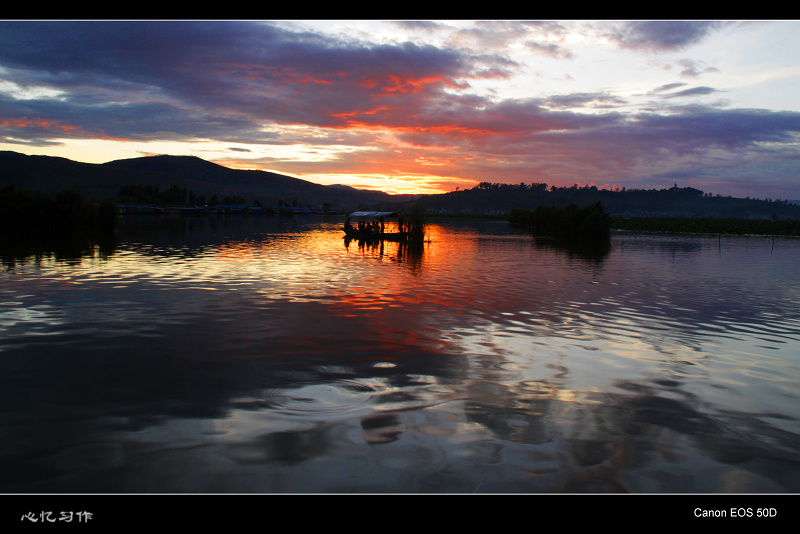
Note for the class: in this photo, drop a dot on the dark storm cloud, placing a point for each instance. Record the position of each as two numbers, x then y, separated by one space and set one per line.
115 55
227 80
566 146
595 100
242 82
693 142
694 91
668 87
423 25
694 128
685 131
42 119
245 73
662 35
549 49
693 69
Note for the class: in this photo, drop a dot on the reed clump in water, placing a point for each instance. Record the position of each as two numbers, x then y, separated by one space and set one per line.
709 226
574 222
414 224
33 218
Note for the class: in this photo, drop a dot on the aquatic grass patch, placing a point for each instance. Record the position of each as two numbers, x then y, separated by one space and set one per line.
414 224
572 221
708 226
31 220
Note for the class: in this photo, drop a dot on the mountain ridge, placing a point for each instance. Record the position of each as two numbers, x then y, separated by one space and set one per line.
50 174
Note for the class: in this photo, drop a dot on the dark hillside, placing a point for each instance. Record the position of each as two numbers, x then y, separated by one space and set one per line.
103 181
206 179
674 202
210 179
50 175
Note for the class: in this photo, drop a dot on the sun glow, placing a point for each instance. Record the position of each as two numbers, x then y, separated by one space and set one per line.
279 159
399 184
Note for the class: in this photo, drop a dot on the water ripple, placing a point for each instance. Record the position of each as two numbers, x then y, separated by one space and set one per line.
339 398
490 357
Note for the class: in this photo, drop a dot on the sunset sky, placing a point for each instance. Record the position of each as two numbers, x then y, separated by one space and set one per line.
419 106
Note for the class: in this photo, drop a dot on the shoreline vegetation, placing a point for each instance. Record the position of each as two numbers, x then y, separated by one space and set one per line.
414 224
676 225
68 221
165 184
680 225
65 223
727 226
571 222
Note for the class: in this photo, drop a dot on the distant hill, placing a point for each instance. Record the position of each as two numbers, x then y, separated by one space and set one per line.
50 174
103 181
674 202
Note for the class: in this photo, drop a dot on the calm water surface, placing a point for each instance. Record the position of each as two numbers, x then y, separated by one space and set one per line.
266 355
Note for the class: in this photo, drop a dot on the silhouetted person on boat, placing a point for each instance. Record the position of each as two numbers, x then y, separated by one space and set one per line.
380 219
347 225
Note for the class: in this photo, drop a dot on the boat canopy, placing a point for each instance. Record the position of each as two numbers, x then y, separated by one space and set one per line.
374 214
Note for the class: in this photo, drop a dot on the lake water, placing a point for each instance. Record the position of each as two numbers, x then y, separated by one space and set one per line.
264 354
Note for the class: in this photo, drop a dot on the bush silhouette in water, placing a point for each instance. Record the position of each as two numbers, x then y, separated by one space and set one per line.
589 222
34 218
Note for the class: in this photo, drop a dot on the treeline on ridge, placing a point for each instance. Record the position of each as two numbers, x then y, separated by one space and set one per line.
172 196
181 196
34 218
497 198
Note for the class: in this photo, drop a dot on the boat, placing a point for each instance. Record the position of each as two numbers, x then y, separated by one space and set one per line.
370 226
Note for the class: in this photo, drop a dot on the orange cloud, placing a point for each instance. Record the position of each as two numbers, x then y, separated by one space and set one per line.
59 128
345 114
403 83
411 85
38 123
